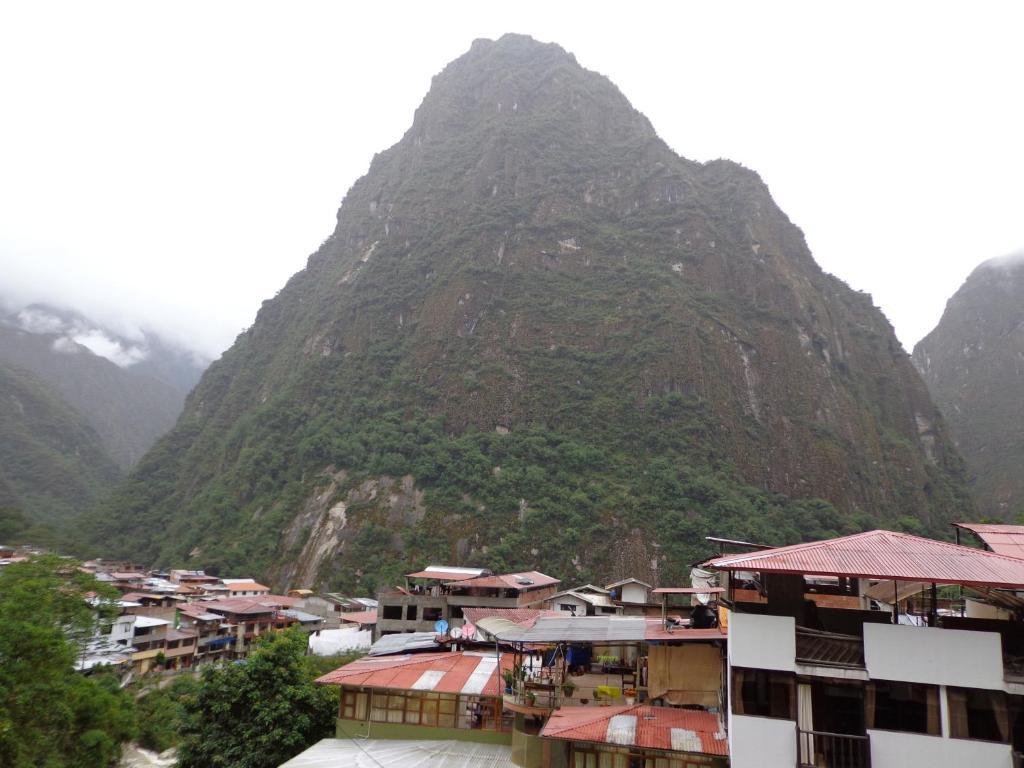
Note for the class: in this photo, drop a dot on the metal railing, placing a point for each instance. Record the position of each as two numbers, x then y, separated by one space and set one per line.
821 749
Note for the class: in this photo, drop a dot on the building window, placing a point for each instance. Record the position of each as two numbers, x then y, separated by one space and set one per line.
393 612
898 706
410 613
431 614
410 708
763 693
978 714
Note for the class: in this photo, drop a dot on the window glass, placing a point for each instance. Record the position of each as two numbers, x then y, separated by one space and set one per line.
900 706
978 714
763 693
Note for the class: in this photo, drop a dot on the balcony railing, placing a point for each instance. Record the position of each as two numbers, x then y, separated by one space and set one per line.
821 749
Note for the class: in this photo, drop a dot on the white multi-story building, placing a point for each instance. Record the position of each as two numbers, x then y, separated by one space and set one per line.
857 653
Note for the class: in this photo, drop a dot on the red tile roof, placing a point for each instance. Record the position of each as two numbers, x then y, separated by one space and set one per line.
510 581
884 555
524 617
665 728
238 605
362 618
461 672
1002 539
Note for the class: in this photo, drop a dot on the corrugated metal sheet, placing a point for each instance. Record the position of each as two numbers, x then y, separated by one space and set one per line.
521 616
640 726
519 581
404 642
462 672
884 555
1002 539
395 753
584 629
687 591
447 573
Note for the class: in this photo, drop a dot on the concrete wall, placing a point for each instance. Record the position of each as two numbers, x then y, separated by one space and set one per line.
762 642
890 749
931 655
763 742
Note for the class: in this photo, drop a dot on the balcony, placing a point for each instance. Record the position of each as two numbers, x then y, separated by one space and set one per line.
821 749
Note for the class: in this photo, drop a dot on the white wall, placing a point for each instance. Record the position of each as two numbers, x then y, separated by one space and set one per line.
908 750
763 742
634 593
932 655
762 642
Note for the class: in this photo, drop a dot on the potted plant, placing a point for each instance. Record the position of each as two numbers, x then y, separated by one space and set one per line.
531 698
509 676
568 688
630 696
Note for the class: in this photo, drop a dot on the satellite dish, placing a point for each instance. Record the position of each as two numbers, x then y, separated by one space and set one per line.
468 630
440 626
456 633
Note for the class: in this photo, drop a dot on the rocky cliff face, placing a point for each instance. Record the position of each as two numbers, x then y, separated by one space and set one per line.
973 363
569 341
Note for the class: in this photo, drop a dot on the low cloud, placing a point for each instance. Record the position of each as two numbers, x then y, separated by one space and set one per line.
74 332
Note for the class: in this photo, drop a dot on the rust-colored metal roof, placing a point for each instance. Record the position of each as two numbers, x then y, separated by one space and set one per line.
884 555
1002 539
687 591
362 618
524 617
519 581
461 672
656 631
646 727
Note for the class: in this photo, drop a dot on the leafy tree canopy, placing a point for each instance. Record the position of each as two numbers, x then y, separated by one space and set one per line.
50 715
257 713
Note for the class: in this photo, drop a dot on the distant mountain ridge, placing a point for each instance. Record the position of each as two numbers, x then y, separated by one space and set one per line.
973 363
537 337
77 419
52 463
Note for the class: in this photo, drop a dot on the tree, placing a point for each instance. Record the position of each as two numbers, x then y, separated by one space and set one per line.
50 715
257 713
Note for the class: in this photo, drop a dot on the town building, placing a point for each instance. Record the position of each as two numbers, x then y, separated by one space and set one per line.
441 593
857 652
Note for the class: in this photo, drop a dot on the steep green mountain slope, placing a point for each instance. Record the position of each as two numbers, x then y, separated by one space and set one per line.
973 363
128 410
52 464
537 336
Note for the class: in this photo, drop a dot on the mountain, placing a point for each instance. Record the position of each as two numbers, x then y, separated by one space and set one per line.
129 391
52 463
973 363
538 337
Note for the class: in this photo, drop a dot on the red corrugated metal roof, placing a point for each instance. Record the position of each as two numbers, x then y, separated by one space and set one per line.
510 581
665 728
359 617
450 672
1002 539
884 555
656 631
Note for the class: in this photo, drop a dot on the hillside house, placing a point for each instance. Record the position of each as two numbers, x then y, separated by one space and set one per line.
441 593
854 652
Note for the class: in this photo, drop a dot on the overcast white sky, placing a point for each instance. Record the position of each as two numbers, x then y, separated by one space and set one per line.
172 164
